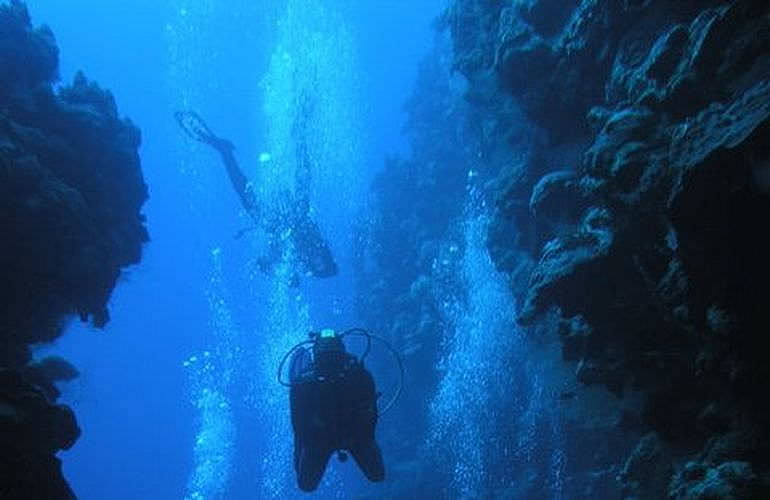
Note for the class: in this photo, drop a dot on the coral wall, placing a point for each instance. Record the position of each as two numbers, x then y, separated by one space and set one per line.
71 191
647 238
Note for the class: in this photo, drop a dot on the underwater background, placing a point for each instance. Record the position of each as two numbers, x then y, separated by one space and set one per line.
552 210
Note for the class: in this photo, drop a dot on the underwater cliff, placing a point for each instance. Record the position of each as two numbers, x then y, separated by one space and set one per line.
71 193
621 149
570 257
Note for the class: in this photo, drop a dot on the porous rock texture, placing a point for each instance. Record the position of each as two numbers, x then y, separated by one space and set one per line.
71 191
643 213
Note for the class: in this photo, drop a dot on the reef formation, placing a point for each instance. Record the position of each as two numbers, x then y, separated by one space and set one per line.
626 144
71 192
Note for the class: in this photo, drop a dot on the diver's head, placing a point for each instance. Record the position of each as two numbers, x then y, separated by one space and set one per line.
329 353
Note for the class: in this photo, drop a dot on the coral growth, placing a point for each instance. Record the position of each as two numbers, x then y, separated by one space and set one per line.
71 191
649 247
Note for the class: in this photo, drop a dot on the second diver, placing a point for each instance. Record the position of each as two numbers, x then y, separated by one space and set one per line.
289 221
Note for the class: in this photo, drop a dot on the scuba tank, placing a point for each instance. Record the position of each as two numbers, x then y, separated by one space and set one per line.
304 354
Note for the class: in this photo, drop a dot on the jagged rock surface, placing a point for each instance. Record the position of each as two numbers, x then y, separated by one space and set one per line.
650 247
71 191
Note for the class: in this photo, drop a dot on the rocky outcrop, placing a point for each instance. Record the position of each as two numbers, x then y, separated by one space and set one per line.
71 191
650 247
32 431
402 249
414 200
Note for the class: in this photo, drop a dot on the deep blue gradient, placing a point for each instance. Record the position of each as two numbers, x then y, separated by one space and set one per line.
135 397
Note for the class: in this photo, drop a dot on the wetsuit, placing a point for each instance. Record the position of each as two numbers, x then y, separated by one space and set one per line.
334 412
312 252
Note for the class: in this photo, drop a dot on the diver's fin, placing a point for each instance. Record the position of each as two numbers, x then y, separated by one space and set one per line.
194 126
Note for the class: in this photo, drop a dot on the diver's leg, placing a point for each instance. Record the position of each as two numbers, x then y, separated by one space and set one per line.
297 453
196 128
311 465
240 183
368 456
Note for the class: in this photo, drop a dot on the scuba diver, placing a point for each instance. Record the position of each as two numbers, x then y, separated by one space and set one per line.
289 219
333 402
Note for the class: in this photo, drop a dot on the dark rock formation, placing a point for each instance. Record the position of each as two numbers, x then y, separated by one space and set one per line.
32 431
727 481
414 202
647 471
410 248
71 192
650 248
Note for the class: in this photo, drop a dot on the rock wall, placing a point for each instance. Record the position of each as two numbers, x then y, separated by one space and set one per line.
641 213
71 192
414 201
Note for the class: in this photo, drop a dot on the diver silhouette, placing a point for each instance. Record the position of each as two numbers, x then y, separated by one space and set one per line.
333 403
287 220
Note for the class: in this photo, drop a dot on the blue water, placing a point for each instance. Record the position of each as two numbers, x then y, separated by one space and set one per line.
177 397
